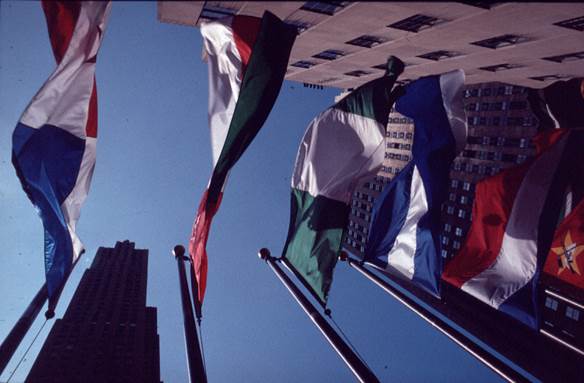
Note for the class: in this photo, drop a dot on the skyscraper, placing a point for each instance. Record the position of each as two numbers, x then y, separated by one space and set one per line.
107 333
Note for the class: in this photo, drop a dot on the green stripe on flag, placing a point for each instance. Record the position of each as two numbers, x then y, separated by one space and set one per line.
314 239
259 89
371 100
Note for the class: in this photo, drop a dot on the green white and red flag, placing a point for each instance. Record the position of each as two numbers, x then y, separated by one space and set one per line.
247 60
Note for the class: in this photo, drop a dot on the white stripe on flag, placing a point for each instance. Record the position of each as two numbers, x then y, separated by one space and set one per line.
517 260
401 255
63 100
225 69
337 150
451 86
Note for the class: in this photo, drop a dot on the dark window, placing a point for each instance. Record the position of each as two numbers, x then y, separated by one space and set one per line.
480 4
566 58
515 105
324 7
501 41
357 73
500 67
550 77
416 23
329 54
576 23
367 41
301 26
303 64
210 12
439 55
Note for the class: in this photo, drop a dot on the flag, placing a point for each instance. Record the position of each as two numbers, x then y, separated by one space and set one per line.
565 260
247 60
513 221
341 146
405 223
53 144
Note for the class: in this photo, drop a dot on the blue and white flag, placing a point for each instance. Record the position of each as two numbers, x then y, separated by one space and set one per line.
53 144
405 224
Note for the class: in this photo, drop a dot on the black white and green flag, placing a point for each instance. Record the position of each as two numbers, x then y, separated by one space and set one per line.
341 146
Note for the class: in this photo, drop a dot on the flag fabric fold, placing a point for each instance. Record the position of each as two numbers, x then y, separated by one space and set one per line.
405 223
53 144
341 146
247 60
514 218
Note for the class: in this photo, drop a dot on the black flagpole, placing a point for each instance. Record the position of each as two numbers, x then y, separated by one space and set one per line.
359 369
197 372
456 336
21 327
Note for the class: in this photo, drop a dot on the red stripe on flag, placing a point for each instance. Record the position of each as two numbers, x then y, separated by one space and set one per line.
198 241
494 199
91 126
61 20
245 31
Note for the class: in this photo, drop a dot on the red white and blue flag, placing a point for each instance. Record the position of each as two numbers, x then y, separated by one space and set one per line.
53 144
405 223
513 223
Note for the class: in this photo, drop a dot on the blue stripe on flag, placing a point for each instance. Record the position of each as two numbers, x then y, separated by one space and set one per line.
47 162
433 151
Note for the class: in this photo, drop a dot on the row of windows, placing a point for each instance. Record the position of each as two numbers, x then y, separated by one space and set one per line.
503 90
359 214
358 227
489 156
397 145
354 244
496 106
401 120
362 205
460 213
499 141
571 312
463 200
400 135
397 156
467 186
500 121
390 169
458 231
481 170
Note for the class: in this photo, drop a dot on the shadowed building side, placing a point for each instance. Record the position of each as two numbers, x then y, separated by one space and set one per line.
107 333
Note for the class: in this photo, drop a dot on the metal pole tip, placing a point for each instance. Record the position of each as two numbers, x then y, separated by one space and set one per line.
178 251
50 313
264 253
343 256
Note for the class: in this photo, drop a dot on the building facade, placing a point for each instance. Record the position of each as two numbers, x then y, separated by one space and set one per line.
107 333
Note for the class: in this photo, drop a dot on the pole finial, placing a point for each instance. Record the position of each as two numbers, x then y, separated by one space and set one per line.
178 251
264 254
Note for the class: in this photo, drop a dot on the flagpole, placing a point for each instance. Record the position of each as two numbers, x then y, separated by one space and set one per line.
456 336
12 341
359 369
196 367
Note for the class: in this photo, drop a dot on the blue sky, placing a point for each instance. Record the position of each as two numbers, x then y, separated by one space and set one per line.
153 162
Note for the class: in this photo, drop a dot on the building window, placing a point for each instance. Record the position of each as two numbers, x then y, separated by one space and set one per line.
551 303
450 209
456 245
444 253
447 227
445 240
461 213
452 197
521 158
458 232
357 73
550 77
463 200
457 166
439 55
304 64
500 67
367 41
300 25
523 143
409 136
416 23
572 313
454 184
576 23
501 41
211 12
500 141
329 54
324 7
566 58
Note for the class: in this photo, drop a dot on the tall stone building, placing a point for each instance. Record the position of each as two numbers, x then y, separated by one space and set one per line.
107 333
